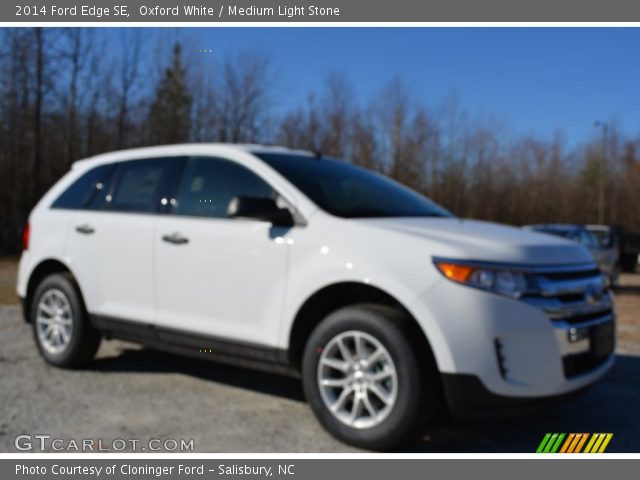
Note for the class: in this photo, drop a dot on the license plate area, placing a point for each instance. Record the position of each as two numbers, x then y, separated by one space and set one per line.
596 343
602 339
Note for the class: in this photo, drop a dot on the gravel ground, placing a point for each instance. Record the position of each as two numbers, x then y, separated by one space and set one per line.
131 392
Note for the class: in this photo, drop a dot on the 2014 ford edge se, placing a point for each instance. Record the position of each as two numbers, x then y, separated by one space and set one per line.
383 302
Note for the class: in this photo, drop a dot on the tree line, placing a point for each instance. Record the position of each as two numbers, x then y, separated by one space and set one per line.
70 93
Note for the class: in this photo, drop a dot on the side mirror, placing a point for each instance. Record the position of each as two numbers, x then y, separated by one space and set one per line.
260 208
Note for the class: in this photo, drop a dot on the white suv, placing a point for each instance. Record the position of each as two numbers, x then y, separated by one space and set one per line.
384 303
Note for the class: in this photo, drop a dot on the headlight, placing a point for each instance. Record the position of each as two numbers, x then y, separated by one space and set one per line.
495 279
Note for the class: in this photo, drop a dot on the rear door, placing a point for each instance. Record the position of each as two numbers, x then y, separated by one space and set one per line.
111 244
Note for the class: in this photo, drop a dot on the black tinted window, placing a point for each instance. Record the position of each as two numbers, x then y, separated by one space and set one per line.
209 184
140 185
348 191
84 189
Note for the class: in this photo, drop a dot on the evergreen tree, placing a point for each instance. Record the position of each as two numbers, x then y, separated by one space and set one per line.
170 114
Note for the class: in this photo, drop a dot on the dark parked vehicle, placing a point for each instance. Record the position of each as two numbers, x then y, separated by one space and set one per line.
602 245
628 247
609 244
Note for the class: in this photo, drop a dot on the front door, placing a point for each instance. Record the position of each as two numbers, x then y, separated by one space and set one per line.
215 275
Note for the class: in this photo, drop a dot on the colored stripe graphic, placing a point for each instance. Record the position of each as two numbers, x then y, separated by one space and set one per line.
550 443
596 445
568 442
556 445
582 442
590 444
574 443
606 441
543 443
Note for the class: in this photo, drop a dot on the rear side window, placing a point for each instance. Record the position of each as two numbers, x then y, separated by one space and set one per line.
81 192
209 184
141 185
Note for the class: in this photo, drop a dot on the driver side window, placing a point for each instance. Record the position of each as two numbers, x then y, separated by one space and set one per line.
209 184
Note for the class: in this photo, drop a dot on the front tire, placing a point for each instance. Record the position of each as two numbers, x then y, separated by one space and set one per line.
61 327
367 379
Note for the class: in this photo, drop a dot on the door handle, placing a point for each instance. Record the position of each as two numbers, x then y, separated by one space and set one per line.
175 238
85 229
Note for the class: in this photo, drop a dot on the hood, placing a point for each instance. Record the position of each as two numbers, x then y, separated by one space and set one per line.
485 241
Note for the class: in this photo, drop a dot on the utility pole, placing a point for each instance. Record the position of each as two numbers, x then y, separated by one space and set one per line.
601 168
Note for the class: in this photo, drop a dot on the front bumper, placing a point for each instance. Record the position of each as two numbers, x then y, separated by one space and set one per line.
514 350
467 397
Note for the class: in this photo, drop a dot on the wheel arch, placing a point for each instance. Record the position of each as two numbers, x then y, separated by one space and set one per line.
40 272
338 295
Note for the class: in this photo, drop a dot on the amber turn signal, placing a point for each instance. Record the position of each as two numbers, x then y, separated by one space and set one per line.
458 273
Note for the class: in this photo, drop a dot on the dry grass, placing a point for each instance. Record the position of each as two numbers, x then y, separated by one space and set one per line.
8 271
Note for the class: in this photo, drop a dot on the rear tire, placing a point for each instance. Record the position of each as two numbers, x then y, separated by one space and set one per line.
61 327
387 387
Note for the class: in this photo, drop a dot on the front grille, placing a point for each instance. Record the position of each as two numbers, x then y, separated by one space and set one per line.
580 307
577 319
572 295
601 345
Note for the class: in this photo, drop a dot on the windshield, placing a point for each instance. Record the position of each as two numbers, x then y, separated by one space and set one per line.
347 191
604 237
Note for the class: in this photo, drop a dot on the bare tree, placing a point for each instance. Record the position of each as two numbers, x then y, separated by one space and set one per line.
302 128
64 95
76 52
127 78
404 133
245 93
337 116
364 144
97 85
37 113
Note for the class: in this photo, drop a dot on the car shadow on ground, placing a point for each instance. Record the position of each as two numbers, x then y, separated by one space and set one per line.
609 406
145 360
